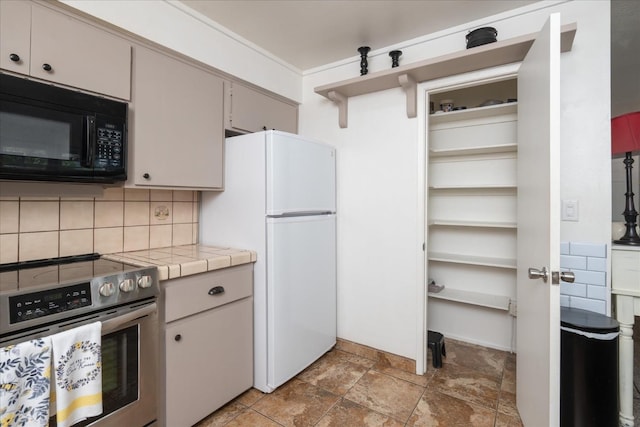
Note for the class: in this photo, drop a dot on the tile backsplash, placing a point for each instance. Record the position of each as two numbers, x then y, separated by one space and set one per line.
588 261
122 219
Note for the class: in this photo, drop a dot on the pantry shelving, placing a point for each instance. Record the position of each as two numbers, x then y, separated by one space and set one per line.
498 302
487 224
482 261
471 209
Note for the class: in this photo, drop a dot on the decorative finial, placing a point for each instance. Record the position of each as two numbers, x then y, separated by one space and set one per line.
363 59
395 57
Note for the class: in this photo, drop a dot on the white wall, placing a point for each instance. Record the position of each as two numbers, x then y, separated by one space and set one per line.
172 25
378 172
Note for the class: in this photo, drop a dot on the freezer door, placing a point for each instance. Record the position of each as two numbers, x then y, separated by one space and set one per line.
301 175
301 293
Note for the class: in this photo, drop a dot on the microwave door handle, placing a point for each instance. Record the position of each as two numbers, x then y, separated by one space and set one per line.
89 140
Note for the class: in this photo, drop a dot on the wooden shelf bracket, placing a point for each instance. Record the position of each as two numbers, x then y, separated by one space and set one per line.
342 102
410 87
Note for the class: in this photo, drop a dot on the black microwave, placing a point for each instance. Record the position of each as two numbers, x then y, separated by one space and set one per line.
49 133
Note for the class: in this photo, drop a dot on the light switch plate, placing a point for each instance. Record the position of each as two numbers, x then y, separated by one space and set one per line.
570 210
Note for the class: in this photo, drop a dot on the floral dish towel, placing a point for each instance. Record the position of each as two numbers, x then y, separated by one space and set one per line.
25 377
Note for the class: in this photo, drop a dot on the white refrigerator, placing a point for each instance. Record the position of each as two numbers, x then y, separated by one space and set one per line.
280 201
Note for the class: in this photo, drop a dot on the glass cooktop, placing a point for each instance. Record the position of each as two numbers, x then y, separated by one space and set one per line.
56 271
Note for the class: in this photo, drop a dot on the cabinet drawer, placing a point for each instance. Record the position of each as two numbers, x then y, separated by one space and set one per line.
192 294
625 274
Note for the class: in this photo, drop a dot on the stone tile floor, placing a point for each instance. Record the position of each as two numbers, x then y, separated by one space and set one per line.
475 387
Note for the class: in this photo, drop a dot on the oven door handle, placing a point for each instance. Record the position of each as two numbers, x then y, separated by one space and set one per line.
117 322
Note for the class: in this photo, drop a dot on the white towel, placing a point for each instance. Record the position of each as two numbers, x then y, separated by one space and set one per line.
77 367
25 377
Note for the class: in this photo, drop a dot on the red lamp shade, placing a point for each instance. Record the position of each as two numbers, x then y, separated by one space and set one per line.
625 133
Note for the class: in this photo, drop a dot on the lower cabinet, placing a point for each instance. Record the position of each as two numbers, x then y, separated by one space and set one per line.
208 342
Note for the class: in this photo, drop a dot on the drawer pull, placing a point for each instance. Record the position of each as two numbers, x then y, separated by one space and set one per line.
216 290
177 337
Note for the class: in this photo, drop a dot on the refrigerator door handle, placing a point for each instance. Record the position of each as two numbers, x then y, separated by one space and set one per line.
301 213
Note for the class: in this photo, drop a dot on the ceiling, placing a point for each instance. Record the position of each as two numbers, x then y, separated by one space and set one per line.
311 33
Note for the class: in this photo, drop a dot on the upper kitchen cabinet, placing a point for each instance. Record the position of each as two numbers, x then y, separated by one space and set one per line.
247 110
49 45
176 130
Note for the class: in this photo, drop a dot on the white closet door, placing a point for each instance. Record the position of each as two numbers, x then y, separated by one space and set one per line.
538 325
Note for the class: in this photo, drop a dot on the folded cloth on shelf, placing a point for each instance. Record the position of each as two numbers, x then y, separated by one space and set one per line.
25 378
77 368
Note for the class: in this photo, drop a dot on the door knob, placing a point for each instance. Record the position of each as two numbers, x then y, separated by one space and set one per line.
543 274
565 276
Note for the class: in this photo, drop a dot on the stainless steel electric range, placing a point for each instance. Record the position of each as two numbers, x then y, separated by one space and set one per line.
44 297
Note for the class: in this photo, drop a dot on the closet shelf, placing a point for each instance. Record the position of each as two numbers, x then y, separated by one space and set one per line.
498 302
509 263
479 224
474 187
409 75
465 151
474 113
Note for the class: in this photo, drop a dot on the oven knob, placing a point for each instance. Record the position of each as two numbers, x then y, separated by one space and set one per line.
145 281
107 289
128 285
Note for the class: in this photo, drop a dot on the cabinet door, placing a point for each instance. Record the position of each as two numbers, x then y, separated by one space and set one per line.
177 123
252 111
79 55
209 361
15 35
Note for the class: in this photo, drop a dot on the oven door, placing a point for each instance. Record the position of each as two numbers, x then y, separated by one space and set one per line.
129 363
129 370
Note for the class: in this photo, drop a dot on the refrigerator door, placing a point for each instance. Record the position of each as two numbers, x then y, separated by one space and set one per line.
301 289
301 175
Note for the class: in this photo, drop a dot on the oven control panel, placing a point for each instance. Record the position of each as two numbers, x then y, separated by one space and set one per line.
43 303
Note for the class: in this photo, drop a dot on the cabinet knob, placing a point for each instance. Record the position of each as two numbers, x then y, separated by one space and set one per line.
47 67
14 57
146 176
177 337
216 290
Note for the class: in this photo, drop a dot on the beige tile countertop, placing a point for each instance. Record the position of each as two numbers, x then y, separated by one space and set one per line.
179 261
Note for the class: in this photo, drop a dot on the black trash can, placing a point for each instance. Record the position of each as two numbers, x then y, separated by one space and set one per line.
588 369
